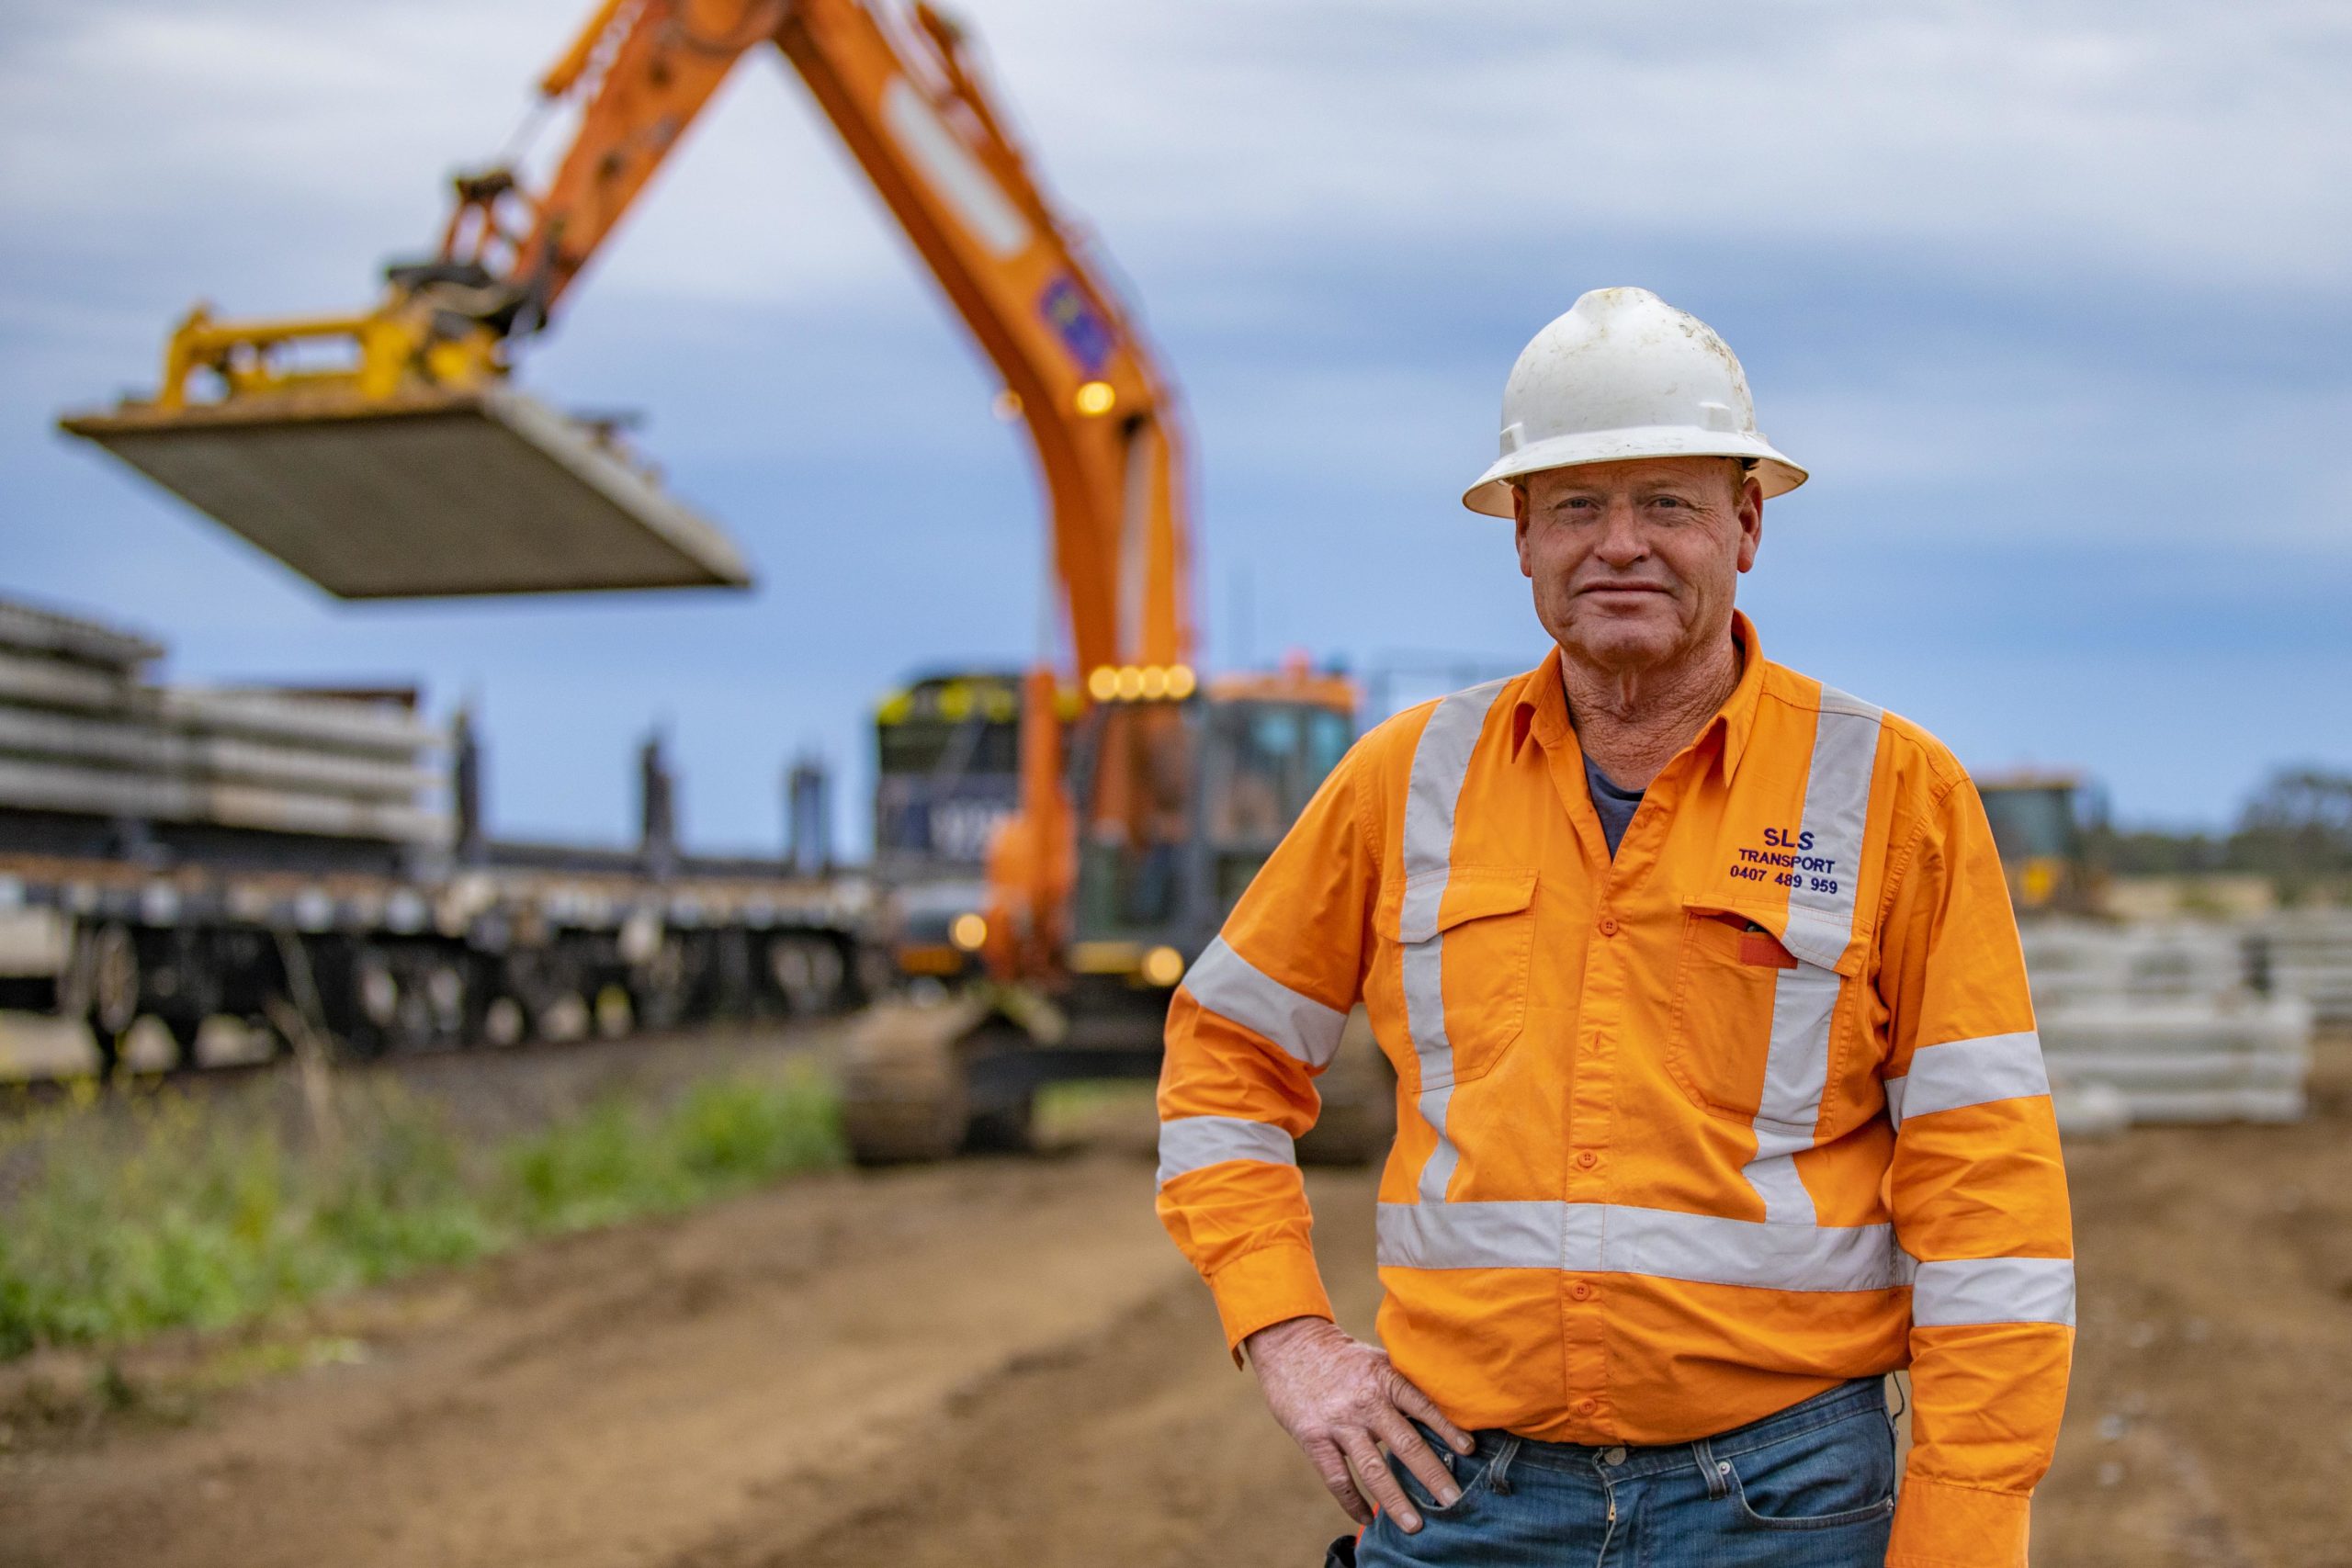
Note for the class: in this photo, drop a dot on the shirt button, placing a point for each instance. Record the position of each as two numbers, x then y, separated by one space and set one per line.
1608 925
1587 1407
1580 1290
1614 1455
1587 1160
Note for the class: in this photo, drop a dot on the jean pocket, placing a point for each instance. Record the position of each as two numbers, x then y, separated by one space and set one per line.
1835 1475
1469 1472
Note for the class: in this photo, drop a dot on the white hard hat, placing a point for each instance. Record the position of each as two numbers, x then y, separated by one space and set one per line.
1625 374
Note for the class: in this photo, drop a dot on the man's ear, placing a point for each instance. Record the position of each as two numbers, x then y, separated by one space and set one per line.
1519 514
1752 519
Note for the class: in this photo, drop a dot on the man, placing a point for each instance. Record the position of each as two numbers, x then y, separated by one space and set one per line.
1719 1092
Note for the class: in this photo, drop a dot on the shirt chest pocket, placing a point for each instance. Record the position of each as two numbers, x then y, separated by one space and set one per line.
1757 1031
1462 967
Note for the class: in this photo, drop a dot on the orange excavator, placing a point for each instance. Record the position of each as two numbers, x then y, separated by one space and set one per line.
386 454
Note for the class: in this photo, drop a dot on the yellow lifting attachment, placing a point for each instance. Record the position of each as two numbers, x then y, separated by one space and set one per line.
411 469
386 455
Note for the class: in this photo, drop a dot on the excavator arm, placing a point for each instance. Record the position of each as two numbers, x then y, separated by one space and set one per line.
910 105
907 99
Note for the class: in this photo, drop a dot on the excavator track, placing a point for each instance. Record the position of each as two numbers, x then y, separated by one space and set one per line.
906 1089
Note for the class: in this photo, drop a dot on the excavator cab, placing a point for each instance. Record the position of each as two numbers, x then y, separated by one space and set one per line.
1187 798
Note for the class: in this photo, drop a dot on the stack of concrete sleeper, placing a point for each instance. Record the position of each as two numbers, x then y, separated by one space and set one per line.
84 731
2308 953
2154 1021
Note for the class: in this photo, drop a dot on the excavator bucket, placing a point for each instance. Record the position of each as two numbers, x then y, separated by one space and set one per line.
483 491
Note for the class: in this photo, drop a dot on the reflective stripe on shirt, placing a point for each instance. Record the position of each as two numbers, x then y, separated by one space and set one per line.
1820 924
1608 1239
1441 762
1232 987
1604 1238
1194 1143
1993 1290
1968 1072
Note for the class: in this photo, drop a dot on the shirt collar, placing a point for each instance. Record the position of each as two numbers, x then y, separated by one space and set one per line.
1542 707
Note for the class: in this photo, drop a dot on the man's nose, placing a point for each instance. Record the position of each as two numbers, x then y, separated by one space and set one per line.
1622 542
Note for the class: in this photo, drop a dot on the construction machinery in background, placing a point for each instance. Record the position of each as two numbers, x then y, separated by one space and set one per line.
2039 824
408 465
947 772
947 779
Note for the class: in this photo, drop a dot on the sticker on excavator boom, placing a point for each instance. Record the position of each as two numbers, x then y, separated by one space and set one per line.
1081 329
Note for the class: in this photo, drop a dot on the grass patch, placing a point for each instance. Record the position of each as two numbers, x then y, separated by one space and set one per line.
1081 1107
171 1213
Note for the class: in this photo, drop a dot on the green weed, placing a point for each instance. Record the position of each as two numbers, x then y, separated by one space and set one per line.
170 1214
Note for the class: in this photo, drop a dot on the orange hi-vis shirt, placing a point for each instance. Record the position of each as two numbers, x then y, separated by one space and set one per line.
1685 1136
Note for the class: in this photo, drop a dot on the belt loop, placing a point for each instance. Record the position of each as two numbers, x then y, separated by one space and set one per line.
1499 1473
1712 1469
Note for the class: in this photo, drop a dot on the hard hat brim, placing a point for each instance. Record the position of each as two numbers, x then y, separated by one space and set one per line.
1491 494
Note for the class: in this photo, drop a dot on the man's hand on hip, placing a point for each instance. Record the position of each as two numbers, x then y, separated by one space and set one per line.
1339 1399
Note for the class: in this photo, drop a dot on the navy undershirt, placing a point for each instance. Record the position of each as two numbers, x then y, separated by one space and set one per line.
1615 805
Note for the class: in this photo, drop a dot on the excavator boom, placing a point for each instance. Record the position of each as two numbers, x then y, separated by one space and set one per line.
408 465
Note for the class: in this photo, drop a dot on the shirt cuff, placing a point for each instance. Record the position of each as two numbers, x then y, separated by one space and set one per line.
1939 1525
1268 1286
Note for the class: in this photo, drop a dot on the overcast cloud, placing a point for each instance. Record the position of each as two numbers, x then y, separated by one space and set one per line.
2053 297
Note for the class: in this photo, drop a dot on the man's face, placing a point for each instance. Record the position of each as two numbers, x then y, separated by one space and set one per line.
1633 563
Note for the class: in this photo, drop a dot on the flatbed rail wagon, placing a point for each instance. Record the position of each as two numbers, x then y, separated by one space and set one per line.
291 857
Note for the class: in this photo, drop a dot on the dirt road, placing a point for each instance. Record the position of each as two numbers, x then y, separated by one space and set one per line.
848 1369
1005 1363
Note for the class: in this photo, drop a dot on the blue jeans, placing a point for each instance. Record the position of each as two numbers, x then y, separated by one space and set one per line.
1812 1487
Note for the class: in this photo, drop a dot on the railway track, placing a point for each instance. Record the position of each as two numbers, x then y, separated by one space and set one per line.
64 1069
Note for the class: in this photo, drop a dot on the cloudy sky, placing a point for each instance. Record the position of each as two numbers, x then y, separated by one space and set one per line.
2054 299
